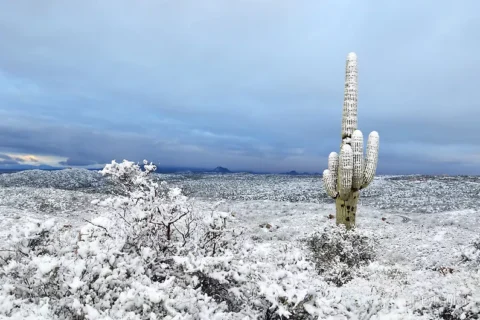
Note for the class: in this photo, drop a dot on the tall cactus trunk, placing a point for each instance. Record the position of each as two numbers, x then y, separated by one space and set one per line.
350 171
347 210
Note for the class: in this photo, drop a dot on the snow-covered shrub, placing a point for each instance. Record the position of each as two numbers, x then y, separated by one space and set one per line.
286 287
31 264
124 264
339 252
449 311
154 254
216 236
263 281
162 218
90 277
471 254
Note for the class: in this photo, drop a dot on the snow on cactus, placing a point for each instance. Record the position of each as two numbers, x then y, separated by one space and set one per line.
348 173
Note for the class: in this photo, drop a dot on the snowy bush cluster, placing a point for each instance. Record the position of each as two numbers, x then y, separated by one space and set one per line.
471 254
123 265
150 256
407 194
338 252
69 179
245 186
46 200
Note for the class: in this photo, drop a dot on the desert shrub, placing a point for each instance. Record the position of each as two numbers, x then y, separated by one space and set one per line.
447 311
338 252
150 255
122 264
470 255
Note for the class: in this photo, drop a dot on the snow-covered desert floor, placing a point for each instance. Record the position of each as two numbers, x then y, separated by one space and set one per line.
426 264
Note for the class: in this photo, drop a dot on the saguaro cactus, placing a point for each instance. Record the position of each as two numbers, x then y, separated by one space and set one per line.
349 172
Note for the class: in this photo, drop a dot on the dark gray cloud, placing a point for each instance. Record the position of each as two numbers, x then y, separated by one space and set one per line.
86 147
8 163
245 84
6 157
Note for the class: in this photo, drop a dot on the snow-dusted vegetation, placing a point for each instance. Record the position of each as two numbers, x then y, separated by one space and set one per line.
414 194
127 244
68 179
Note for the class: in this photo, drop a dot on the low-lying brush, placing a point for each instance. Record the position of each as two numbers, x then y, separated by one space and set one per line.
338 252
150 255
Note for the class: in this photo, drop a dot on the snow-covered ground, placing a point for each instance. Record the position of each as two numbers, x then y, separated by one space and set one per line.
422 226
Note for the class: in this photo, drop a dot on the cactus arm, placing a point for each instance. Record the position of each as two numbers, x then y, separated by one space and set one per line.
358 166
345 171
349 119
329 183
371 159
333 165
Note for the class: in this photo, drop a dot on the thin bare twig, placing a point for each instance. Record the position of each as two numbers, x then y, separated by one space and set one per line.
101 227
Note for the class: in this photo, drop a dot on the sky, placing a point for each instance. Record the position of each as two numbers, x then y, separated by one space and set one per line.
245 84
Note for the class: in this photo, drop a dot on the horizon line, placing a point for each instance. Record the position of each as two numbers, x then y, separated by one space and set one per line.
197 170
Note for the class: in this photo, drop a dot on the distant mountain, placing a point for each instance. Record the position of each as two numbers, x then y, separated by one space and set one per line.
160 169
295 173
190 170
23 167
171 169
221 170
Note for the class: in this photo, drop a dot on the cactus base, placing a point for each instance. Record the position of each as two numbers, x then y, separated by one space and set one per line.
347 210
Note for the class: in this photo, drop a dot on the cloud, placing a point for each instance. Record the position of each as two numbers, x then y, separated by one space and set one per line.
81 147
252 84
17 159
77 162
9 158
8 161
26 158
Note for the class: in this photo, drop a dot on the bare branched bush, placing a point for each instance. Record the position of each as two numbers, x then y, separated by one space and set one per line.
339 252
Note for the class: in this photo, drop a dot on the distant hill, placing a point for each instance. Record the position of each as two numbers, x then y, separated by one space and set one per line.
21 167
221 170
295 173
161 169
